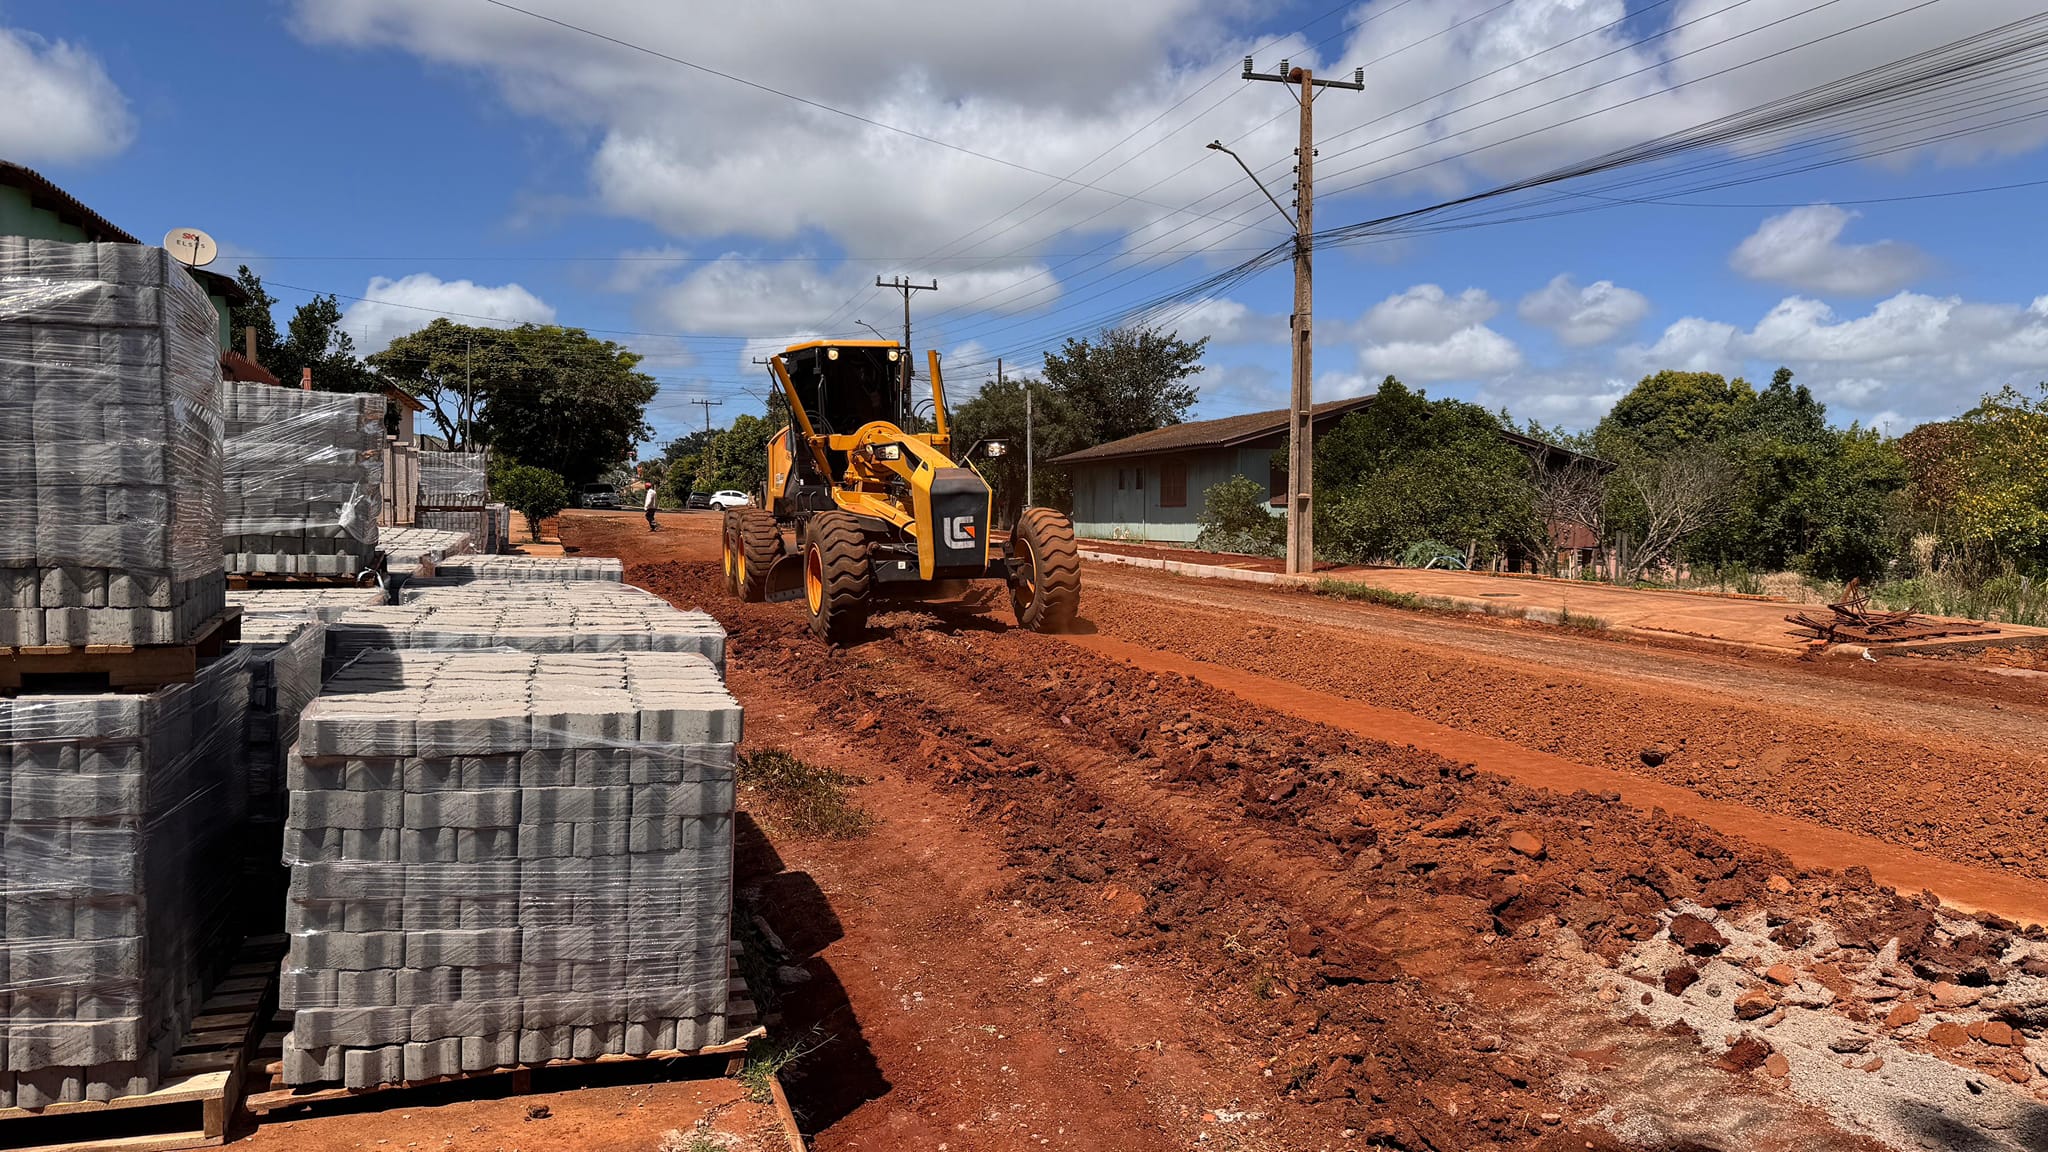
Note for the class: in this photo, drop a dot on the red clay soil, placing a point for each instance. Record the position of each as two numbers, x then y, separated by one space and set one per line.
620 1118
1105 907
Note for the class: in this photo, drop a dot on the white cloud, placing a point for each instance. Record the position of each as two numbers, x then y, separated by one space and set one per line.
1467 354
1910 357
393 308
1053 85
1426 313
1803 249
1582 317
1425 334
62 106
734 294
638 268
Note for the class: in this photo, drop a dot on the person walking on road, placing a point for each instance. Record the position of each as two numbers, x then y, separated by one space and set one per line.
650 507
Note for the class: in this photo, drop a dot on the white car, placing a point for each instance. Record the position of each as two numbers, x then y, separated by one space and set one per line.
730 499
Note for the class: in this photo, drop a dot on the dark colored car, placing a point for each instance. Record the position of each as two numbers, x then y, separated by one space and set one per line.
699 500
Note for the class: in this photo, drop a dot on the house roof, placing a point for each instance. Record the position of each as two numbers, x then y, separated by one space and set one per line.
47 196
1227 432
403 398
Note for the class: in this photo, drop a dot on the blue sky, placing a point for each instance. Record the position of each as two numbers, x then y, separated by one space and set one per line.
422 157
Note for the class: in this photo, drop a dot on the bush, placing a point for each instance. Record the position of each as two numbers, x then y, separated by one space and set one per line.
1432 554
534 493
1236 518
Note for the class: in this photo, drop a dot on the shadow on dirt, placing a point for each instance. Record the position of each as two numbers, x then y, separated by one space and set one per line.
794 981
1936 1128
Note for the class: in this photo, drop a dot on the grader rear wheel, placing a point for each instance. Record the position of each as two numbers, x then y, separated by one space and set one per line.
760 543
1045 576
729 549
837 577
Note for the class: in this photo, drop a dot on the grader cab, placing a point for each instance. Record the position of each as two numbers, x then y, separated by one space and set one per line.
858 510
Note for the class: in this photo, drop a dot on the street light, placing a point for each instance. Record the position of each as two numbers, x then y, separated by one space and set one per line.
871 328
1217 145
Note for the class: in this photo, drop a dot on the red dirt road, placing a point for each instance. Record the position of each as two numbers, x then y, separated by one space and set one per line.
1109 906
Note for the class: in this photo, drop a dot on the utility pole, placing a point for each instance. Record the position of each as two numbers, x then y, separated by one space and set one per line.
902 284
707 405
1301 440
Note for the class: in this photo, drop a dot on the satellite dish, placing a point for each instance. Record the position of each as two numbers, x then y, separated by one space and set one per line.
195 248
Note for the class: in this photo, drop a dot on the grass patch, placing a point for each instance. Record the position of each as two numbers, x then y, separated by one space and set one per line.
1384 597
1566 618
811 800
1262 988
765 1061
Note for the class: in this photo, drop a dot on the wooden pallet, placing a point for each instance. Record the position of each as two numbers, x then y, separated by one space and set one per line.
116 667
193 1106
266 1065
244 581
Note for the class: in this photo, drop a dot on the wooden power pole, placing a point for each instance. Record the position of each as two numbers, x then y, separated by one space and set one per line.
1301 440
902 284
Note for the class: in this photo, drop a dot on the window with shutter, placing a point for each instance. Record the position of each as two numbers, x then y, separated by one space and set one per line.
1173 483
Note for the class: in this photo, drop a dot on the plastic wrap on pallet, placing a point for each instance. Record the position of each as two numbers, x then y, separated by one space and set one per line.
410 549
119 837
303 477
501 858
110 446
528 616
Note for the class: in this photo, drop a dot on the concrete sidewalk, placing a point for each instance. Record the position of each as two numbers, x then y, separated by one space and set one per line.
1751 622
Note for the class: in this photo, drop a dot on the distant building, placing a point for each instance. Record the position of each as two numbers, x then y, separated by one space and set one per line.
1151 486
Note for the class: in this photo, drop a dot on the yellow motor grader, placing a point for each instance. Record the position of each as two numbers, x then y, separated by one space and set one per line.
856 510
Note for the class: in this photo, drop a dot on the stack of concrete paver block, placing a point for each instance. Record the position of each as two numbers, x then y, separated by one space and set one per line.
286 654
508 858
413 549
323 604
110 446
119 836
529 616
549 568
303 480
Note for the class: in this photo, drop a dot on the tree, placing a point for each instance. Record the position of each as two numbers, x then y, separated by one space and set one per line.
2002 510
1680 492
997 413
255 314
1126 381
534 493
1236 517
1570 496
1669 409
1407 468
578 405
550 396
1852 507
737 457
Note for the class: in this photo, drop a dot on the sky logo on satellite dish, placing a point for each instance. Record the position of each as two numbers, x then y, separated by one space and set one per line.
193 248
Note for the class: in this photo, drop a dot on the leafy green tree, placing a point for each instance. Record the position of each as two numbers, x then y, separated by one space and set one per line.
1126 380
2001 511
1669 409
255 314
737 457
551 396
1236 517
997 413
534 493
578 406
1852 508
1407 468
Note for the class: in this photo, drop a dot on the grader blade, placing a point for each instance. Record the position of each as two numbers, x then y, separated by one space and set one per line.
785 579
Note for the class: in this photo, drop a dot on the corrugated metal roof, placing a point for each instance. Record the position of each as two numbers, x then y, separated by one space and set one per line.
1226 432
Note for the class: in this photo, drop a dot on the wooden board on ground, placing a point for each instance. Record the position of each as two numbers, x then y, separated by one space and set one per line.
244 581
192 1107
116 667
267 1063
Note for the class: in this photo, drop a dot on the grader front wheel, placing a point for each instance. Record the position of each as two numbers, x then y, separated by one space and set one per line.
837 577
1045 573
729 551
